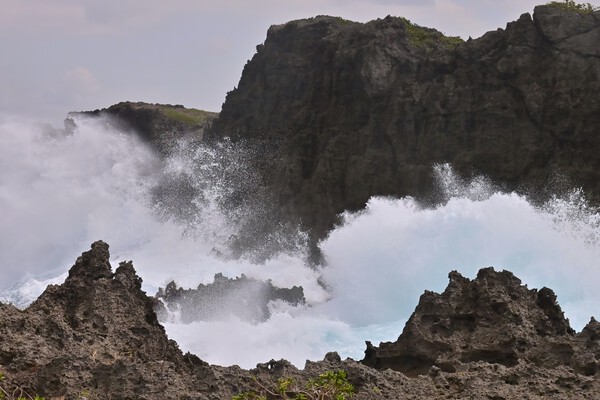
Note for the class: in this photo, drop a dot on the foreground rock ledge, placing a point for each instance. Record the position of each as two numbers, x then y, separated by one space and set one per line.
97 332
492 318
97 336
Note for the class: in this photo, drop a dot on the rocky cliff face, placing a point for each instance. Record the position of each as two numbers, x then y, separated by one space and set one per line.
96 336
342 111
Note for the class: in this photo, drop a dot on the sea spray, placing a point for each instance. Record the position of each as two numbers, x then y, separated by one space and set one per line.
381 259
61 192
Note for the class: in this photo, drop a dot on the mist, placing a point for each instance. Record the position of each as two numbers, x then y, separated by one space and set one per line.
59 192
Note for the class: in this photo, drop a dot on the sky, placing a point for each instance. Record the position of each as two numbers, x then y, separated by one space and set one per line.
72 55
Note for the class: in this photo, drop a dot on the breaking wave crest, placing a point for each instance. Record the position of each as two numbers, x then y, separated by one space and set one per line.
179 219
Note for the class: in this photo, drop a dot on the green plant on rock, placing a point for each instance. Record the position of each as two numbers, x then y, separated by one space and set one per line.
16 394
331 385
427 38
571 5
187 116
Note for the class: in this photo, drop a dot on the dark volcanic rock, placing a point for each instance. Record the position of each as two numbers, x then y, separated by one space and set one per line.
493 319
345 111
96 336
246 298
158 124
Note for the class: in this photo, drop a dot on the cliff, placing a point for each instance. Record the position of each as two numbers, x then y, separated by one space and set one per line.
158 124
341 111
96 336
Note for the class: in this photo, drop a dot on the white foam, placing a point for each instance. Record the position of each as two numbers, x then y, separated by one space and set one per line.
58 194
382 260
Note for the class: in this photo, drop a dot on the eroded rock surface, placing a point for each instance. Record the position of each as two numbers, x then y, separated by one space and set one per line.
493 319
96 333
344 111
97 336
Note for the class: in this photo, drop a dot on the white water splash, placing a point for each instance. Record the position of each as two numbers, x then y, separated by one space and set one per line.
59 193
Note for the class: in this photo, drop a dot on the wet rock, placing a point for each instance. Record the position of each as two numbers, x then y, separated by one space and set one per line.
492 319
370 108
243 297
97 336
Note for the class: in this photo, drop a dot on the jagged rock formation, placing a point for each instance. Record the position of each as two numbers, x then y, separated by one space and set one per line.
158 124
344 111
97 333
493 319
246 298
96 336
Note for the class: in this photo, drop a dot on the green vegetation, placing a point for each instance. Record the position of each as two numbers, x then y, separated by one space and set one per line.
427 38
15 394
331 385
188 116
343 21
571 5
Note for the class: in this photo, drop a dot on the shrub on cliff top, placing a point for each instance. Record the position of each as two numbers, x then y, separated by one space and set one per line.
571 5
425 37
188 116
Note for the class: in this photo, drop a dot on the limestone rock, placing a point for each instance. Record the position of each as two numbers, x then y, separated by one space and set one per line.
97 333
97 336
493 319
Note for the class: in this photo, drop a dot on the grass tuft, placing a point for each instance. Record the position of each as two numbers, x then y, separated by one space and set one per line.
571 5
428 38
187 116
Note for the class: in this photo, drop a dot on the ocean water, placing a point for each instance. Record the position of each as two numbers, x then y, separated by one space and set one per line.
59 193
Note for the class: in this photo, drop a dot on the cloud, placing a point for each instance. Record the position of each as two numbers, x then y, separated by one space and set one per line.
93 18
37 16
64 55
88 17
419 3
81 82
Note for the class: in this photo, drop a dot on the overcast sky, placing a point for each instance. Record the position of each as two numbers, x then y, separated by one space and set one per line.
66 55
